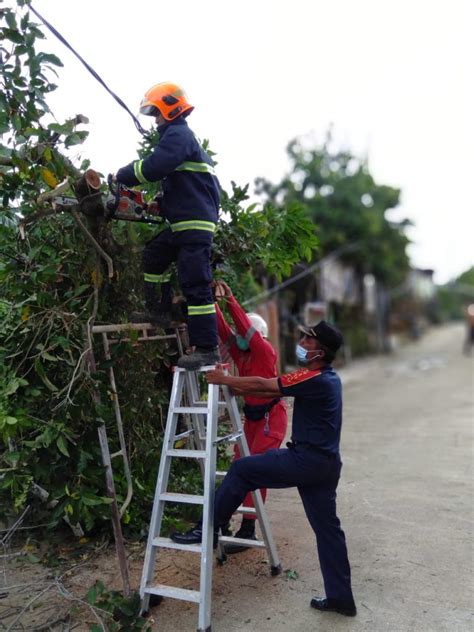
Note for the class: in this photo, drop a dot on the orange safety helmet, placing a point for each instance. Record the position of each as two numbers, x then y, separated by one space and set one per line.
168 99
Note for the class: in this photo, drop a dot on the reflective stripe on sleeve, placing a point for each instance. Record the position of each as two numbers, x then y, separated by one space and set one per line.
200 167
193 224
201 310
137 170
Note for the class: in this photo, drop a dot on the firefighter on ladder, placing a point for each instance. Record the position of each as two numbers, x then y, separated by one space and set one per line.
190 202
265 418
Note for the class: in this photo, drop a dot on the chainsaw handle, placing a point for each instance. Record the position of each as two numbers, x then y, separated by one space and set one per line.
112 206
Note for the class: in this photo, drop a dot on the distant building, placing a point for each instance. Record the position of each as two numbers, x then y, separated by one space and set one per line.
421 284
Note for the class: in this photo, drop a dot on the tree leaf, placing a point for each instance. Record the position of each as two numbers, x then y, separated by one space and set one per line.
62 447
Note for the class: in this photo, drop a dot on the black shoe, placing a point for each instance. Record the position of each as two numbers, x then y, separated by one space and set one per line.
192 536
347 608
246 532
200 357
160 319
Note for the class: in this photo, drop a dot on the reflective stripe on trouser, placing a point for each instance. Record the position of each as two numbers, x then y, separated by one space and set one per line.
157 278
191 249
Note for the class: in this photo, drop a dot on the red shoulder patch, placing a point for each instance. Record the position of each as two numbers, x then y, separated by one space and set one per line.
298 376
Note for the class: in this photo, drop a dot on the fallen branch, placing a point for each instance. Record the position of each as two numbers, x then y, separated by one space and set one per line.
6 538
28 604
49 195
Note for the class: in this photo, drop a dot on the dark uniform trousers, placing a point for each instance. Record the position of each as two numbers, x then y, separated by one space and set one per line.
191 250
316 476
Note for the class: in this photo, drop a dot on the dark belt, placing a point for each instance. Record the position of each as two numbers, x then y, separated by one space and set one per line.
291 445
255 412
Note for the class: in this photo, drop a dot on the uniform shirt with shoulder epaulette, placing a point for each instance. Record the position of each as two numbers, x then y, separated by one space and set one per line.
190 187
317 413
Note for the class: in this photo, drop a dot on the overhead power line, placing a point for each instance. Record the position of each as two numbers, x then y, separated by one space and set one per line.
96 76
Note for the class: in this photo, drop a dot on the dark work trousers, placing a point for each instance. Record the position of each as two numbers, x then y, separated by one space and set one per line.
316 476
191 249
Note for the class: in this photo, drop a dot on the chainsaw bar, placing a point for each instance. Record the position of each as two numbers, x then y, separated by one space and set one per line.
68 202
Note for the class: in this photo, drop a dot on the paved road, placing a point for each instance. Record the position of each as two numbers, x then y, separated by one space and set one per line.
405 501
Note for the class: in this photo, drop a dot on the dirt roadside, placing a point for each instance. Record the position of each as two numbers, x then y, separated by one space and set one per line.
405 502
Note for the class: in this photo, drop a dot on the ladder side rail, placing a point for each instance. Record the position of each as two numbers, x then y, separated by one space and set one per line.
256 495
109 479
198 420
114 508
204 621
161 484
118 418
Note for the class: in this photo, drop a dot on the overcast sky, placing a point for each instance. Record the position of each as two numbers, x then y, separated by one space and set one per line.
394 78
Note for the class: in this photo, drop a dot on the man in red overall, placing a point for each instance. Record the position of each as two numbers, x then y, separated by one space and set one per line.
265 418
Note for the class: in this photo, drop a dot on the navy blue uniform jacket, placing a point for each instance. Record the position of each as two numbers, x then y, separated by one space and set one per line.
317 413
190 189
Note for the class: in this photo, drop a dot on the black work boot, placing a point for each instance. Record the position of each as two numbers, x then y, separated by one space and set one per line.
246 532
192 536
157 312
198 358
347 608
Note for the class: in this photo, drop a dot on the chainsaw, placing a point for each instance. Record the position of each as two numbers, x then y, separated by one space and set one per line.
122 203
127 204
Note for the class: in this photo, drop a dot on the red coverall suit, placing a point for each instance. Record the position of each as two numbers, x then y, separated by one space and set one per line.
260 360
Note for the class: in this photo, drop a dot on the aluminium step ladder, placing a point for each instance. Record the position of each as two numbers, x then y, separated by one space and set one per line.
186 399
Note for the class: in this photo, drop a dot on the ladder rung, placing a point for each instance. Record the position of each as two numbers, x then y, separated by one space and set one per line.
167 543
114 454
230 437
182 498
187 454
199 410
202 369
246 510
221 474
258 544
175 593
183 434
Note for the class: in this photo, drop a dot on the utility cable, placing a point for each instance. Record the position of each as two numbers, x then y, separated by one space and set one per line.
90 69
312 268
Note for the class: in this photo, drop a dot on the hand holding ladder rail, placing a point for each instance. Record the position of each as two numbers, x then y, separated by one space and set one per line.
204 416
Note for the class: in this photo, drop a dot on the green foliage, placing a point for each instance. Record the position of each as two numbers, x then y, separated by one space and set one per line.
271 239
347 206
123 613
54 287
466 278
453 297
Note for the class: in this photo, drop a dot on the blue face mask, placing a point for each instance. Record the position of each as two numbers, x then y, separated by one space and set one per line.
241 343
301 354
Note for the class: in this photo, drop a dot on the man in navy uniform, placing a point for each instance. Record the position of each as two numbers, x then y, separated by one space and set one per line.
311 462
190 203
